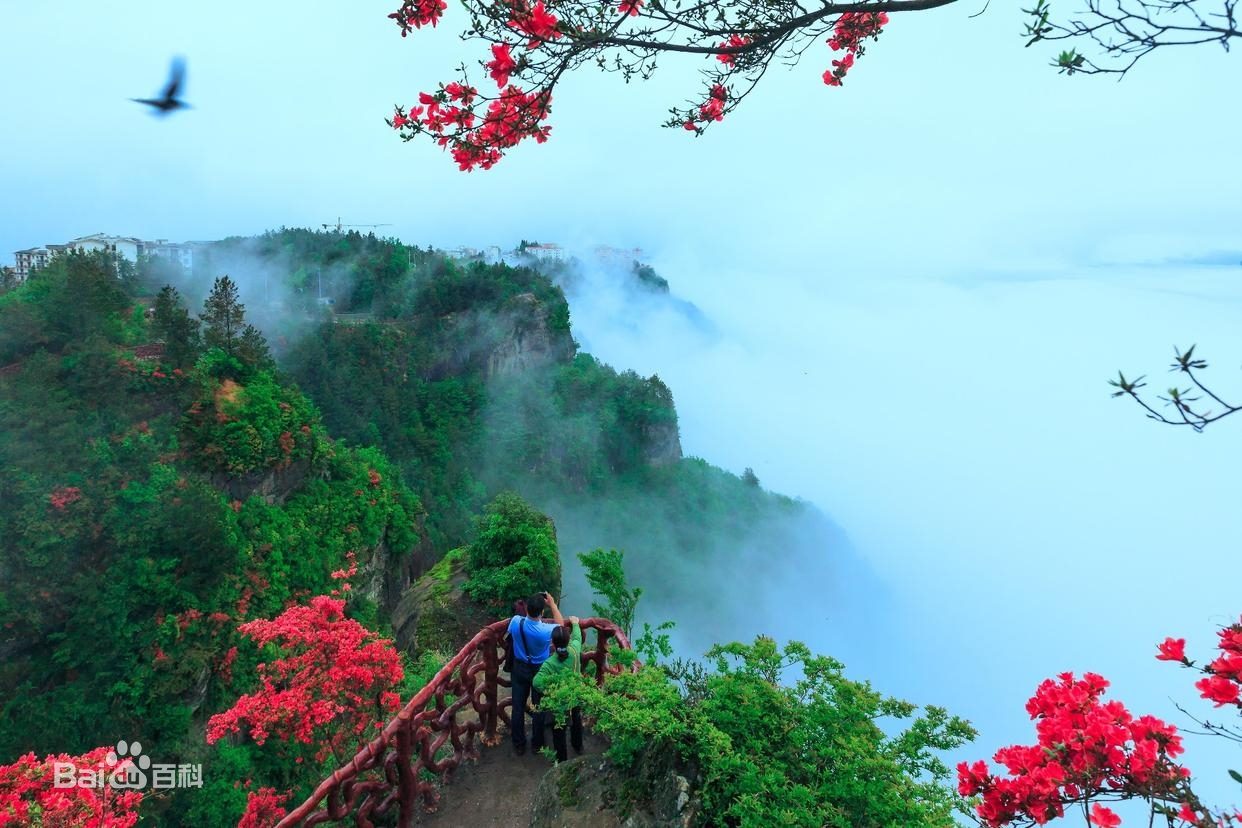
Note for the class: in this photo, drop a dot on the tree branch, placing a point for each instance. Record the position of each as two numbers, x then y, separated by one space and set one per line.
1187 412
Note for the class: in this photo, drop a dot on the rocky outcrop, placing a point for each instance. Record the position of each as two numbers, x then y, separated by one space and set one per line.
273 485
661 444
529 341
516 338
434 614
591 792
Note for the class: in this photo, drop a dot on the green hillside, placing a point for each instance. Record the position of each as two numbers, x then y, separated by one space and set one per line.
185 451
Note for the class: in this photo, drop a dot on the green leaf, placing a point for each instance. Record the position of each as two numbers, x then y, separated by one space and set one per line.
1237 777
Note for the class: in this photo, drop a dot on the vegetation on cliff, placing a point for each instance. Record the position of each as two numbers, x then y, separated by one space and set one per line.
169 479
150 508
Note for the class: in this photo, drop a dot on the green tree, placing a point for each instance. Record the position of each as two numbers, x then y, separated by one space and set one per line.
252 348
606 577
224 317
514 555
779 736
605 574
85 294
172 323
152 271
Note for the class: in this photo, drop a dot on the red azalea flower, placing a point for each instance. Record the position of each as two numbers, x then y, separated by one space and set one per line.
1172 649
415 13
539 24
735 41
1219 690
1104 817
501 65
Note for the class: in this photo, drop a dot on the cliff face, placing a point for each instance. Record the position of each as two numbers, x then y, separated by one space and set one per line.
434 615
528 340
518 337
661 444
273 485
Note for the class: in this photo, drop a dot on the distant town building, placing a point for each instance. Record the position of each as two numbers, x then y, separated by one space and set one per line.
616 256
125 247
546 252
182 254
28 260
462 253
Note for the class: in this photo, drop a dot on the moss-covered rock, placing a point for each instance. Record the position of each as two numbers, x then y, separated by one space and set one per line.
434 614
591 792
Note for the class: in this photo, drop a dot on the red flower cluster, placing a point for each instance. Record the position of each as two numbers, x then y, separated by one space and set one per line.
63 496
414 14
1086 747
735 41
502 64
851 29
479 139
538 23
833 76
712 110
630 7
29 794
345 574
323 688
264 808
480 142
1223 681
225 667
285 441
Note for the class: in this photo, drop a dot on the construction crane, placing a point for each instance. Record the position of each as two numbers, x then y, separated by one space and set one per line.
337 227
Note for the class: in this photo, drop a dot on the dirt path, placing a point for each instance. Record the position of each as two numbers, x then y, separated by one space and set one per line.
498 789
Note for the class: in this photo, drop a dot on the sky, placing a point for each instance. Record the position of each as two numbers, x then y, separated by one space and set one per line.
1006 519
919 284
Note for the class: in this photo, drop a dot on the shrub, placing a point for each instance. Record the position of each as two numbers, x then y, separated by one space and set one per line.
514 554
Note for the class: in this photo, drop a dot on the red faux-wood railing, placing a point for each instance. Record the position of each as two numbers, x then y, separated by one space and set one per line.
388 772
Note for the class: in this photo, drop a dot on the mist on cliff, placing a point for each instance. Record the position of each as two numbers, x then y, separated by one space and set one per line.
1006 519
282 298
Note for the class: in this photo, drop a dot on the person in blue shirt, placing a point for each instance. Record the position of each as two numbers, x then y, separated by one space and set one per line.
532 642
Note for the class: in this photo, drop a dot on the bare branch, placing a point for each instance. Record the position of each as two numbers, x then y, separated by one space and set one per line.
1125 31
1188 412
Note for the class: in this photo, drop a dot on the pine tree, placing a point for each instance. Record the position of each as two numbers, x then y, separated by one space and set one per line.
224 316
172 323
226 328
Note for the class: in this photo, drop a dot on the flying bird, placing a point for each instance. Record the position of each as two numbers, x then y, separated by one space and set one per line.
169 100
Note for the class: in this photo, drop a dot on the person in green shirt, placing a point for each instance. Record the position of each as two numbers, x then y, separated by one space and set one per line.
566 656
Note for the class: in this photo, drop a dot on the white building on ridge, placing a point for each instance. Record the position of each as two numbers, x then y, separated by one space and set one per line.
124 247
